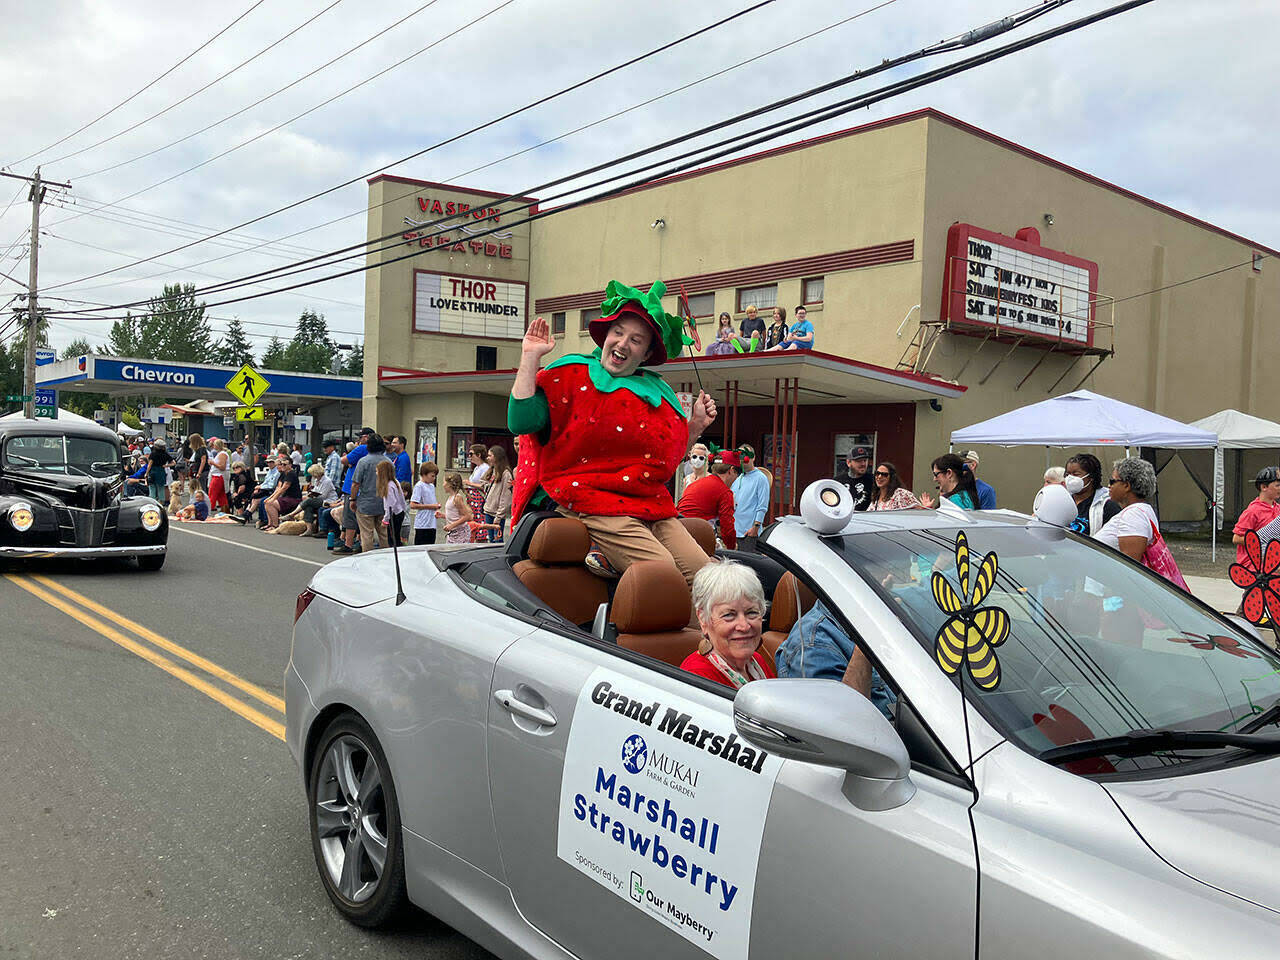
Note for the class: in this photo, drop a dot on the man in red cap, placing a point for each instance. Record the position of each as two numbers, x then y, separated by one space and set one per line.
711 499
601 436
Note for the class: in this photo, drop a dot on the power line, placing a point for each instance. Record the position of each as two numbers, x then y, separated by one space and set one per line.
807 119
151 215
293 83
182 233
366 210
91 246
132 96
196 93
733 143
299 116
240 320
476 129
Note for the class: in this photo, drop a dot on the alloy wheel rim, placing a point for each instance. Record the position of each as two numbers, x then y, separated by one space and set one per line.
351 818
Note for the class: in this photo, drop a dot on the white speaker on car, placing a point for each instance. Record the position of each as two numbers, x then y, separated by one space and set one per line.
826 506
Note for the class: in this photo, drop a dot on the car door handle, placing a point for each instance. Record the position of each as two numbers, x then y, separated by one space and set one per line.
521 709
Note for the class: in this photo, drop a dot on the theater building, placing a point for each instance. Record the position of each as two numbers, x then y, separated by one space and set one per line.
951 275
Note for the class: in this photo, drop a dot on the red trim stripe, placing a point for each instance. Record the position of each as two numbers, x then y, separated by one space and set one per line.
900 251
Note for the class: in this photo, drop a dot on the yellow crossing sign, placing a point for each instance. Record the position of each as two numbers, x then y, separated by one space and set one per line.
250 413
248 386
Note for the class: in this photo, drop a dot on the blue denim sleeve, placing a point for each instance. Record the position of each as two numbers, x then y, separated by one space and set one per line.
818 660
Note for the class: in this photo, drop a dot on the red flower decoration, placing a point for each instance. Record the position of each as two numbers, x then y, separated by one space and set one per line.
1225 644
1063 727
1258 580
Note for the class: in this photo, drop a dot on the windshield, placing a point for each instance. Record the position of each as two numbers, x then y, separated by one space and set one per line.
1096 646
78 456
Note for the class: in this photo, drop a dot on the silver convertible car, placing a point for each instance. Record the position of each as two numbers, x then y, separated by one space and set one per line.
1080 759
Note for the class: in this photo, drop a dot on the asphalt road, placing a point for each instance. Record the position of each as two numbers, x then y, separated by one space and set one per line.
153 809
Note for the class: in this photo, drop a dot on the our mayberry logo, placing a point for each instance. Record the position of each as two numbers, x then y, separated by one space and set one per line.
635 753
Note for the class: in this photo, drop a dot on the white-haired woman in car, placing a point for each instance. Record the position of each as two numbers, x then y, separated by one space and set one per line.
729 603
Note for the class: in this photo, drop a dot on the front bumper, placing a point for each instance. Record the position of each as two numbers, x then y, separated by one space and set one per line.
82 553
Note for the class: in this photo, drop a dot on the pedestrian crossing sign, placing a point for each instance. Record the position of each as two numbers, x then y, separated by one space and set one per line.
250 413
248 386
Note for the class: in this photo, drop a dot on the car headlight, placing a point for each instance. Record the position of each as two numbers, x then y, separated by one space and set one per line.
20 517
151 518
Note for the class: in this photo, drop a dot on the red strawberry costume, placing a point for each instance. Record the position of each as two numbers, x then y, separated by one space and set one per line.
606 453
602 447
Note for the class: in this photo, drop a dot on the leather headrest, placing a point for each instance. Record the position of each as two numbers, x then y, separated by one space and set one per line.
560 540
702 532
652 597
791 600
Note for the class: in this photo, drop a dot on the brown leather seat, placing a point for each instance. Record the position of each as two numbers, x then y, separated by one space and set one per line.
791 600
651 609
702 532
555 574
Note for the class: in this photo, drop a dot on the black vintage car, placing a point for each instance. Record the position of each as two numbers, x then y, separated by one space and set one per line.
62 494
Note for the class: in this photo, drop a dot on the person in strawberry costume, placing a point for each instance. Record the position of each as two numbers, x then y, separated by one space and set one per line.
600 436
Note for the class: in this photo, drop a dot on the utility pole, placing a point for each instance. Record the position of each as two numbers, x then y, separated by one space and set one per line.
36 197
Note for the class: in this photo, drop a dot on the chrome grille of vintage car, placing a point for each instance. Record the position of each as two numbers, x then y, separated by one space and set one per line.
87 528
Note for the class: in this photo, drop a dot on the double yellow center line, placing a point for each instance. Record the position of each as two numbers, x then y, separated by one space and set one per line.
81 608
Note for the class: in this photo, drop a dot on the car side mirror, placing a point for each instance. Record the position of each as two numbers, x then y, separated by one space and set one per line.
828 723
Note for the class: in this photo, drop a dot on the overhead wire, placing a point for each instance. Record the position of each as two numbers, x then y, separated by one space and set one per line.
324 103
198 227
1256 258
792 124
529 106
733 143
181 233
143 90
92 246
160 113
368 208
275 93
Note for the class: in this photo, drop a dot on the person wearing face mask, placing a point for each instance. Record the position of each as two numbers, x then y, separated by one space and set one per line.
1094 506
601 437
695 469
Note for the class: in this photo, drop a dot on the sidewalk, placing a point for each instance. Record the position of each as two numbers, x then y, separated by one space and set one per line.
1219 593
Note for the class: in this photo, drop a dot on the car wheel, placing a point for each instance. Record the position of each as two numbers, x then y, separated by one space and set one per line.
152 561
355 824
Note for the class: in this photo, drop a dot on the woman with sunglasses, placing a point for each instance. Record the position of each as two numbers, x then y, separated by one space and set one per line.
955 482
890 494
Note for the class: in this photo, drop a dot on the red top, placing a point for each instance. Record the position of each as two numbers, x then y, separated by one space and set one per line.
1256 515
608 455
697 663
711 499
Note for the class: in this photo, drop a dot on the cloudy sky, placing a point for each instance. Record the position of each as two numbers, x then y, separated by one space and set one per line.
1174 100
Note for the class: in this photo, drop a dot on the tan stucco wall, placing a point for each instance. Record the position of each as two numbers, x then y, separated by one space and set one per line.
1185 353
838 195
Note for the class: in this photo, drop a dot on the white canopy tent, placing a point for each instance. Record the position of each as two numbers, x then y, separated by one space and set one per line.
1236 431
1084 419
1087 419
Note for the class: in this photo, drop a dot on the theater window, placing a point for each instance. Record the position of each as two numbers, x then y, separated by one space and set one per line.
762 298
813 289
586 316
557 323
486 358
702 304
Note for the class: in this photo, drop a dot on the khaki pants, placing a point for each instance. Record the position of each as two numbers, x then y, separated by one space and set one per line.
370 531
624 540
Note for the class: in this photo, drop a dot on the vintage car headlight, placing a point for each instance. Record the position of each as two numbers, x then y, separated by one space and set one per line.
20 517
151 518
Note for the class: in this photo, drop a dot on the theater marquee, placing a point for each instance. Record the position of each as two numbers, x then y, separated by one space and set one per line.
1012 283
469 306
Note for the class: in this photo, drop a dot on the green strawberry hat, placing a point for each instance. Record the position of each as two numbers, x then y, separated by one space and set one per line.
668 331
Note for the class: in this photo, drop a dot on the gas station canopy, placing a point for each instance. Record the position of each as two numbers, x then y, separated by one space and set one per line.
123 376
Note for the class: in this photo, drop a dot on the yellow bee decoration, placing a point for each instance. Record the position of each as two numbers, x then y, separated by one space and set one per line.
971 633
